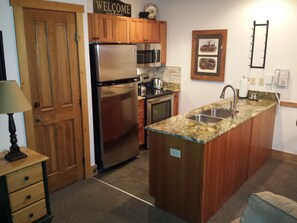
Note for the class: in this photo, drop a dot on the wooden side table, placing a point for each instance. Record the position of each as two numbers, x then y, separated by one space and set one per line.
24 189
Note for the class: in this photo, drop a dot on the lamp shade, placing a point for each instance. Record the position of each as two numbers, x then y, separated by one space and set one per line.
12 99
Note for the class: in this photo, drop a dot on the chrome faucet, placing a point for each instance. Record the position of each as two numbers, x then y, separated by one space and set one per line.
232 106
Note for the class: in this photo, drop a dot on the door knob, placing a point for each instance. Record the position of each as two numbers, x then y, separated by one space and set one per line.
36 105
38 119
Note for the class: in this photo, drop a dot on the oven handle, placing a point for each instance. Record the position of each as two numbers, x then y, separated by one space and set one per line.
160 99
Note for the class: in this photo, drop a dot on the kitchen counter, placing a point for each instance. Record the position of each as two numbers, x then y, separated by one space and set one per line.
182 127
209 162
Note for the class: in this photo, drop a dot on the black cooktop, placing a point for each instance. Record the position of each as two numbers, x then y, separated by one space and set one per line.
152 92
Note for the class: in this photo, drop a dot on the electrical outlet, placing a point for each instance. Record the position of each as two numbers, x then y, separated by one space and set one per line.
268 79
253 81
175 153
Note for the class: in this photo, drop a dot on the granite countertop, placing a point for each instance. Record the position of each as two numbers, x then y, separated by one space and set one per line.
182 127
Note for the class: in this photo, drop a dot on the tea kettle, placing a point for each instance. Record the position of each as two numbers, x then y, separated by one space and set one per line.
157 83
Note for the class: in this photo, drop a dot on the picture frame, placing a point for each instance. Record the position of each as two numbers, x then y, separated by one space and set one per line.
209 54
2 61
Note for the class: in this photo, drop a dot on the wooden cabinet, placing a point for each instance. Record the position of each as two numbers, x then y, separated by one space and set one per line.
24 190
101 28
107 28
144 31
261 141
163 41
121 29
141 122
175 103
225 168
196 183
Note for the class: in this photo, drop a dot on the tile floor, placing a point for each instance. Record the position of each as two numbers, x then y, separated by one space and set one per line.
131 177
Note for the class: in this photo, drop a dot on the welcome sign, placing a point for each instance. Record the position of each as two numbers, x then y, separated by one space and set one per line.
112 7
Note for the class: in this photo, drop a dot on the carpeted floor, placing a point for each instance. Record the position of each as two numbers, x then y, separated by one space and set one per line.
94 201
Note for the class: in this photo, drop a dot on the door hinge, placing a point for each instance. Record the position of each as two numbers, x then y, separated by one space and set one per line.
76 36
80 103
83 161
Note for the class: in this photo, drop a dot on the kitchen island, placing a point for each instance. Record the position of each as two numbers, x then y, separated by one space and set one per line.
196 167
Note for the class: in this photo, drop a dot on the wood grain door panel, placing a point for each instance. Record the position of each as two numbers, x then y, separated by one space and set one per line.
55 93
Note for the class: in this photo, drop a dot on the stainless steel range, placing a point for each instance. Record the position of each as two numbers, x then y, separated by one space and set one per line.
158 102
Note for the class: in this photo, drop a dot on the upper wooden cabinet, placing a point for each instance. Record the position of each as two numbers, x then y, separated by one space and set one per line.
163 40
121 29
101 28
108 28
144 31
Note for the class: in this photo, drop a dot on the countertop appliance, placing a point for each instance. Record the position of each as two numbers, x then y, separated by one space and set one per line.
148 55
114 93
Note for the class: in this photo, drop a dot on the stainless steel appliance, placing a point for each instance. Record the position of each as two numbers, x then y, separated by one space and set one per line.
159 108
114 94
159 102
148 55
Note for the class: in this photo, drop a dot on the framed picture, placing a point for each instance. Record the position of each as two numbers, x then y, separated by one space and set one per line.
208 54
2 61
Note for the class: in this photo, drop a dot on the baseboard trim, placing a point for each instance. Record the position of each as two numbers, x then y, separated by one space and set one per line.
283 156
94 170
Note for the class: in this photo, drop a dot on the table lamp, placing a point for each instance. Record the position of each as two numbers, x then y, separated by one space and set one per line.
12 100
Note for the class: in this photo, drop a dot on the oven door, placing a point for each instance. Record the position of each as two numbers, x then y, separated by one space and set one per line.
159 108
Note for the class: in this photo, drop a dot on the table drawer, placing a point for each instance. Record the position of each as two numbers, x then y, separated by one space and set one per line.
26 196
30 213
23 178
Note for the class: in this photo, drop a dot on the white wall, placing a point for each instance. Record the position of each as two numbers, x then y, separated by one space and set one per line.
12 72
237 16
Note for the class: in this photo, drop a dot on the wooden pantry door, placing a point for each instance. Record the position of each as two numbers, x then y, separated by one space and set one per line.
55 93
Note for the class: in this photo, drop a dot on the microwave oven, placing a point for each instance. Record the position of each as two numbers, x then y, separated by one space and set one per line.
148 55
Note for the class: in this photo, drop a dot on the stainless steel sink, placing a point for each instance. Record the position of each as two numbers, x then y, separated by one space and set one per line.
218 112
205 118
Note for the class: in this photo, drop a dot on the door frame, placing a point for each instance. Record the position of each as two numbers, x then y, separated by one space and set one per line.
18 9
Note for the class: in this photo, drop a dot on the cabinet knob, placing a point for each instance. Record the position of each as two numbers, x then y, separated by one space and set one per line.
31 215
26 178
28 197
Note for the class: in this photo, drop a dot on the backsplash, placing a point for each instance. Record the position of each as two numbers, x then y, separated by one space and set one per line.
170 75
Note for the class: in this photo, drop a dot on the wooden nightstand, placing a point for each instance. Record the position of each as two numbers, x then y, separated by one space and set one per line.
24 189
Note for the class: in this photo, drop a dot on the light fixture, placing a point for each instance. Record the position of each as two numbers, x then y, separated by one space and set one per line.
12 100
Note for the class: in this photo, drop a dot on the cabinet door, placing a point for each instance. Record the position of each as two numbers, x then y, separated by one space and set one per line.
152 31
91 26
163 40
141 122
121 29
261 141
175 105
225 167
103 30
137 30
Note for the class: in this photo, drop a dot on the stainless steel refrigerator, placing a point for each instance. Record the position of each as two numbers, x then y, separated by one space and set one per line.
114 94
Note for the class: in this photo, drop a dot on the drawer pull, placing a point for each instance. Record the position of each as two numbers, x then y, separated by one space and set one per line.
28 197
26 178
31 215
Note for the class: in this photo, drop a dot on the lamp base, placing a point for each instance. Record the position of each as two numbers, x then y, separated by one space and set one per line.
15 156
